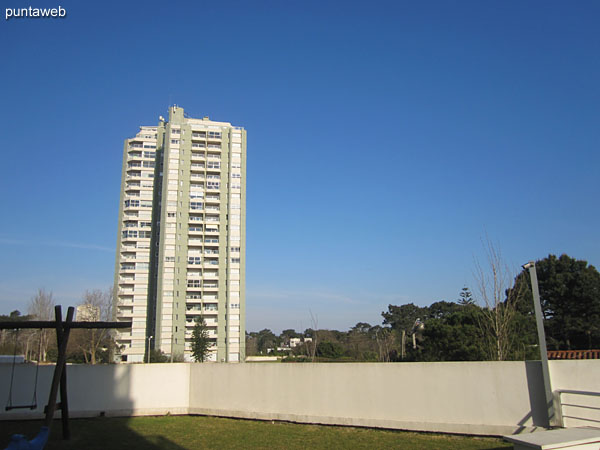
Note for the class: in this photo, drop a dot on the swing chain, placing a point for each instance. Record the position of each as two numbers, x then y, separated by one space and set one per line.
33 405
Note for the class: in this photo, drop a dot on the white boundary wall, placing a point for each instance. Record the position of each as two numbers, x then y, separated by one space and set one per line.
112 390
492 398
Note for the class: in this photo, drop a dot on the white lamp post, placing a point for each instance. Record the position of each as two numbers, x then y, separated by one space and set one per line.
149 338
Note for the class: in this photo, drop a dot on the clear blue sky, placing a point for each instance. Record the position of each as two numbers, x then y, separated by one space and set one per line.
384 140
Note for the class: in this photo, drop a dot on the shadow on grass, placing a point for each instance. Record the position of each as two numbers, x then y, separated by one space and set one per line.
91 434
191 432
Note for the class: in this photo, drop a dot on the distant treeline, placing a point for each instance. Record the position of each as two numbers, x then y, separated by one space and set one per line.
496 324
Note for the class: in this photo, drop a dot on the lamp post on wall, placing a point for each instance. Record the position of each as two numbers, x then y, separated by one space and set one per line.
149 339
553 420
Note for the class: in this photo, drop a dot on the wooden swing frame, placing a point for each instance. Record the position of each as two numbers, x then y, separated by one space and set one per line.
59 379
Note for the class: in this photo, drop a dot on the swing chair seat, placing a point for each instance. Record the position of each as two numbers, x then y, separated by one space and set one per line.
33 405
8 408
19 442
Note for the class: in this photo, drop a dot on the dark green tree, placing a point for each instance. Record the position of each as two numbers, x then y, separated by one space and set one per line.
404 317
466 297
454 336
361 328
326 349
309 333
441 310
200 340
265 340
570 297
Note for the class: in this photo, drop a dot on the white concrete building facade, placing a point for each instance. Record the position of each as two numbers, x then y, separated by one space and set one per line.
181 242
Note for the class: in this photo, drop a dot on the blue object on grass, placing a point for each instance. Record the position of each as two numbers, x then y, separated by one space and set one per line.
18 441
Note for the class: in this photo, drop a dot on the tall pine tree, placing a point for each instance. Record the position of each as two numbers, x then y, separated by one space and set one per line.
200 340
466 298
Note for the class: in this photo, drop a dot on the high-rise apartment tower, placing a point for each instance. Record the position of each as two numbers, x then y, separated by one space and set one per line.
182 238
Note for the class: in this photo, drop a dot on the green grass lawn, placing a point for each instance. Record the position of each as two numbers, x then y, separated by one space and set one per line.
192 432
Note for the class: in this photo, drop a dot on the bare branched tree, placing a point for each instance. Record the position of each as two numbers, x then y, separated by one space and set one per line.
385 341
312 349
97 305
493 280
41 307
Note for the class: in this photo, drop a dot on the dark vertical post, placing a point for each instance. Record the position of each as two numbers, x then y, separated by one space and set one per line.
64 402
60 363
